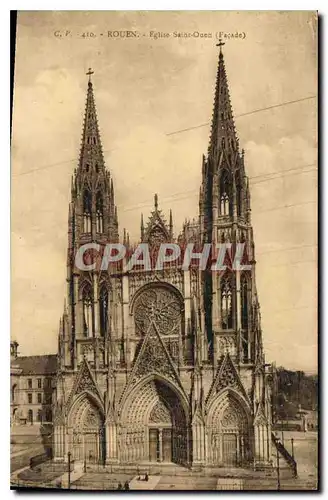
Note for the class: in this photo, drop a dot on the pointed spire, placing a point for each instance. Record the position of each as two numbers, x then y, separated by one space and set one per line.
223 135
156 201
91 156
171 224
142 228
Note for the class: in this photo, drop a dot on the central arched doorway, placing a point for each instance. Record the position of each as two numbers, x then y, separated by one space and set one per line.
154 426
86 431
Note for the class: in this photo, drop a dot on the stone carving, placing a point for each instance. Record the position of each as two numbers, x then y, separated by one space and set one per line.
92 419
160 414
227 377
161 306
153 356
227 344
157 236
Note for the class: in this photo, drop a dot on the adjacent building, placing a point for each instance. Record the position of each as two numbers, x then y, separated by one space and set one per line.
32 380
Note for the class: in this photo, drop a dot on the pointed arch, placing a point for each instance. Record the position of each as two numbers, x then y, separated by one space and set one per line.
99 212
225 192
245 282
244 296
86 436
103 308
227 301
153 411
87 210
87 305
239 193
229 425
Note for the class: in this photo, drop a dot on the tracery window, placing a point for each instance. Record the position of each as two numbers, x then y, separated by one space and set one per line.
87 311
225 194
224 204
239 194
226 302
244 302
103 310
87 209
99 213
161 306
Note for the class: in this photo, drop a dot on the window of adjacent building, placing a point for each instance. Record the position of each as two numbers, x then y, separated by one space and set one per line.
47 382
29 398
13 392
48 415
39 397
29 383
48 399
30 416
39 383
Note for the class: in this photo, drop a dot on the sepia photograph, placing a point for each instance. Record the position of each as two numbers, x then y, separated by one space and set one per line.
164 251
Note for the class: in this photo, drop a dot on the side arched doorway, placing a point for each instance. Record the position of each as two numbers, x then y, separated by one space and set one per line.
154 426
86 431
229 429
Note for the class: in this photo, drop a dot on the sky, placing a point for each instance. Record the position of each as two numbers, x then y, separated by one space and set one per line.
146 89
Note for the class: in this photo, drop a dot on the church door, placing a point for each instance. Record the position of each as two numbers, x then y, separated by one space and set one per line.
153 445
167 445
91 447
230 449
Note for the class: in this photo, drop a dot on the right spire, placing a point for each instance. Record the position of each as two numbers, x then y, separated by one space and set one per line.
223 134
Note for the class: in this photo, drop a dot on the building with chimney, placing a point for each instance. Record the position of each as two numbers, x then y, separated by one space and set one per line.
163 366
32 387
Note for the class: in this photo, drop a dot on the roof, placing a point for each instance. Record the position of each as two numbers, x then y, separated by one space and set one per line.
40 365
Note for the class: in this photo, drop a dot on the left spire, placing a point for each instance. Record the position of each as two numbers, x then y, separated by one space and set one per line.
91 155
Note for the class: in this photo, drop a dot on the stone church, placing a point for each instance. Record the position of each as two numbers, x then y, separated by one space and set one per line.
163 366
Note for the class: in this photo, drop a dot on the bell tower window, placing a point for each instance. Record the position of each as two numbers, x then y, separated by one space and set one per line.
244 303
226 303
99 213
224 204
103 310
87 208
239 195
225 194
87 311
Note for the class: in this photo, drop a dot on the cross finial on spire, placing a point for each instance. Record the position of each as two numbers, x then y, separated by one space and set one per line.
156 201
89 73
220 44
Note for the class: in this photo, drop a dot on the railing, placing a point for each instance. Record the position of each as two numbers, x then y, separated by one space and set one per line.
287 456
39 459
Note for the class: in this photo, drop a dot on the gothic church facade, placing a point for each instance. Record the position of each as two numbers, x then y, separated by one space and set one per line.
163 366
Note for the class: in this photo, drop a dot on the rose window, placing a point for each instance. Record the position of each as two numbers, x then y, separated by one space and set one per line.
160 306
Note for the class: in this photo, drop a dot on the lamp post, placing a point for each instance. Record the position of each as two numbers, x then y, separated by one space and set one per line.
282 432
292 440
278 467
69 470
